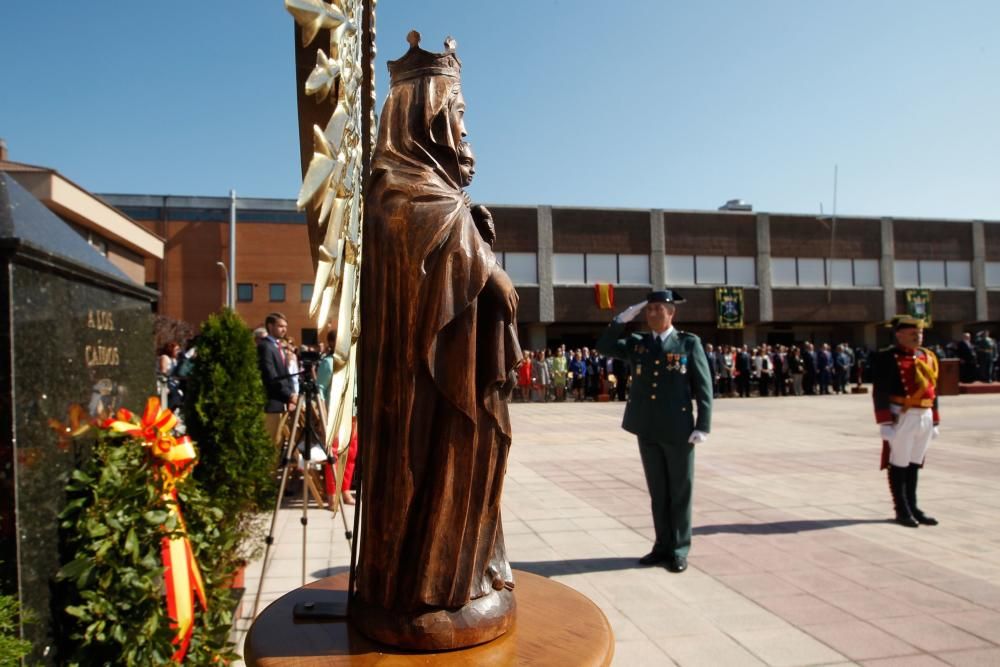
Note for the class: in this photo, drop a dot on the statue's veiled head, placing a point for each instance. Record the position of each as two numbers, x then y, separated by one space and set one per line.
422 121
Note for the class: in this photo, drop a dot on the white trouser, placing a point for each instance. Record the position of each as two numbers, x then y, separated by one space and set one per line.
914 430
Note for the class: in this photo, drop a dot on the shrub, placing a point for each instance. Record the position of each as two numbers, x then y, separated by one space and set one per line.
224 414
12 649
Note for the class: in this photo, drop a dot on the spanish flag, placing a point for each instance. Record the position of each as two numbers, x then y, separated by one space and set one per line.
604 294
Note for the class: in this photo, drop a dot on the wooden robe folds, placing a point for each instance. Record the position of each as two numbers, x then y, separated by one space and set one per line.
438 341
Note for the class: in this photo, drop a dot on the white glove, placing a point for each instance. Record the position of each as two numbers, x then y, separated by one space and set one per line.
935 434
630 313
697 437
888 431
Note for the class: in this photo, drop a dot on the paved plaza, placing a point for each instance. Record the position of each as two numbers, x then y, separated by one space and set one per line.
793 561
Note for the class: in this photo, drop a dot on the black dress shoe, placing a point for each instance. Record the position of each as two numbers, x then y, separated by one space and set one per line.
924 520
678 564
653 558
908 521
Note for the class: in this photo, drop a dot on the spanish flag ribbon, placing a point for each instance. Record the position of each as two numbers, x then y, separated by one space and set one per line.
175 458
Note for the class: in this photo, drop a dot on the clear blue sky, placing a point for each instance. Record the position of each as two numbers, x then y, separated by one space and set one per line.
652 103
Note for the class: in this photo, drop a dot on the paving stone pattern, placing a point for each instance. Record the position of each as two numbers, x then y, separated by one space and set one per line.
793 561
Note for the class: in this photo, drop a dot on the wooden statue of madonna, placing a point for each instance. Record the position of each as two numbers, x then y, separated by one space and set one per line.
438 342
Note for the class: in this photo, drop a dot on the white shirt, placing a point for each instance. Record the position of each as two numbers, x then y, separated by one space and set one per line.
663 335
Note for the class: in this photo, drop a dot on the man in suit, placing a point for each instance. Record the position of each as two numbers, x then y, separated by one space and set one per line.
809 366
823 362
713 368
669 371
744 368
904 379
274 373
780 364
968 368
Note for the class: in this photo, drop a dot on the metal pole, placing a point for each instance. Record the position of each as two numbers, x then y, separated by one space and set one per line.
225 273
833 238
232 250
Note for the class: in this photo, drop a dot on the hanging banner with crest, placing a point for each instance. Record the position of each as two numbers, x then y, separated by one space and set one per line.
918 305
729 307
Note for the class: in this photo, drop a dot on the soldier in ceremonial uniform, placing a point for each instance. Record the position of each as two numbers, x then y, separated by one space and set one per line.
906 408
669 372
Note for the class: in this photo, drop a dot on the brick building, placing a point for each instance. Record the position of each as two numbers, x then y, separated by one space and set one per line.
127 245
802 279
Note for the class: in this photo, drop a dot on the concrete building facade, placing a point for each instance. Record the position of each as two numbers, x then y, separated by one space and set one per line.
804 277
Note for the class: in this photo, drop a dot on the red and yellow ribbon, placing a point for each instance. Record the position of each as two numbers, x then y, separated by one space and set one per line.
175 458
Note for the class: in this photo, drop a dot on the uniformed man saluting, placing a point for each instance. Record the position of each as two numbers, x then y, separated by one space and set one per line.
669 371
906 407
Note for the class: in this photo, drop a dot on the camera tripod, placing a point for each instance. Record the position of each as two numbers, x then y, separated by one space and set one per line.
305 427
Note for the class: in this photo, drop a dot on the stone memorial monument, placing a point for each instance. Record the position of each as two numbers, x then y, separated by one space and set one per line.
76 342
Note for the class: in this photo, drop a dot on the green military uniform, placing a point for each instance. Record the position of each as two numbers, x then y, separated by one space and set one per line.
665 381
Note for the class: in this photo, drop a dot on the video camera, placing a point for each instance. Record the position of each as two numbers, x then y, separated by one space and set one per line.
308 357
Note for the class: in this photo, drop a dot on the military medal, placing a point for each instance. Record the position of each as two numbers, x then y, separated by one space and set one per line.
684 365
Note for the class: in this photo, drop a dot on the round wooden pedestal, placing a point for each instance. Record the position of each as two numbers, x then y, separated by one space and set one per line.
555 625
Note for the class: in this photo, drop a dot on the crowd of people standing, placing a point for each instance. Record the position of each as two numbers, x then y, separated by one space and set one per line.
583 374
802 369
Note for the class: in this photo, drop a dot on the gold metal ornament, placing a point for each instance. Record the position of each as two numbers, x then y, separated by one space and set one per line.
332 187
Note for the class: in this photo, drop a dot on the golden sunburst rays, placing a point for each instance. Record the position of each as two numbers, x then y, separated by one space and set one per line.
332 189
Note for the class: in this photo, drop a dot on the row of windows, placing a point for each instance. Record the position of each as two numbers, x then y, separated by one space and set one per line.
709 270
819 272
590 268
275 292
932 273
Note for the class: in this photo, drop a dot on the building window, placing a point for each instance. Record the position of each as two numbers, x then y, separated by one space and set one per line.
932 273
958 274
811 272
840 272
709 270
567 268
866 273
276 292
305 292
522 267
906 273
741 271
244 292
678 269
591 268
633 269
993 274
783 273
601 268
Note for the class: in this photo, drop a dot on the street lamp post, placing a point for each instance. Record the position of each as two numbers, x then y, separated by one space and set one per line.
225 273
231 291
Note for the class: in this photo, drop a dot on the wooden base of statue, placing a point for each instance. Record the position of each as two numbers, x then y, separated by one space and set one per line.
478 622
554 625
